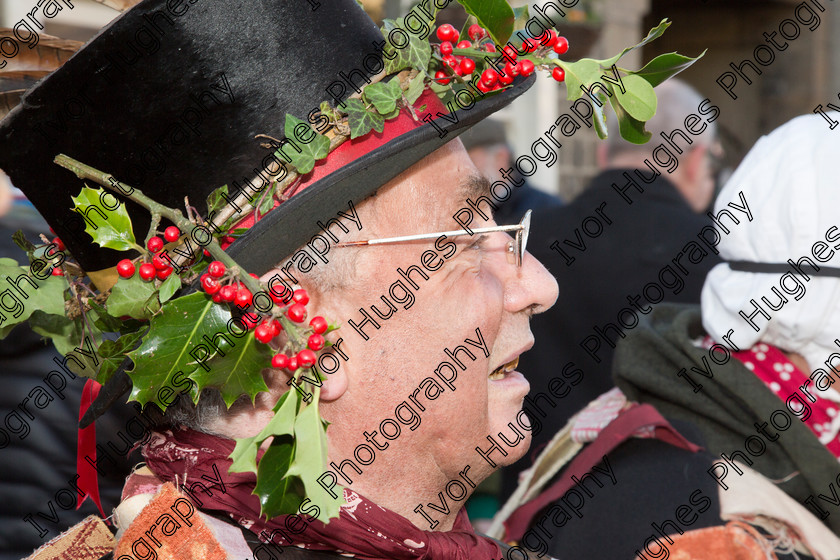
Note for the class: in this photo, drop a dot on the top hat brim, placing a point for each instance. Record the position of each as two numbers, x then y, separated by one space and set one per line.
293 223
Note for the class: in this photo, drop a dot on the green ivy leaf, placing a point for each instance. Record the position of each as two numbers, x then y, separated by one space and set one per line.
362 120
114 231
652 35
165 350
24 300
585 71
238 372
666 66
496 16
311 459
416 54
415 88
384 96
64 333
631 129
215 200
132 297
244 455
310 152
638 99
329 112
169 287
112 354
21 241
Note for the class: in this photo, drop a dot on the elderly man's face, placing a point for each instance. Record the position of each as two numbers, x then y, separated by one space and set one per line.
478 287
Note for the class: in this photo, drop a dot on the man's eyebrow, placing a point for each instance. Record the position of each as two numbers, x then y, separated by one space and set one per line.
473 187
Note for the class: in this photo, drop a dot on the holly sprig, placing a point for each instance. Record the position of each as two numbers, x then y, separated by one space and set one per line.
161 326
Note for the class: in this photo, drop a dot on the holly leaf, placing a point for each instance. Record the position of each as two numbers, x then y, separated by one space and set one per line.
631 129
416 54
311 459
496 16
652 35
113 352
169 287
384 96
638 99
599 117
108 228
310 152
520 17
279 492
106 322
238 371
666 66
244 455
167 349
27 294
585 71
361 120
133 297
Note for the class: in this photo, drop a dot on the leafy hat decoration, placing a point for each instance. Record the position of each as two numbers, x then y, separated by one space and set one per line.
159 318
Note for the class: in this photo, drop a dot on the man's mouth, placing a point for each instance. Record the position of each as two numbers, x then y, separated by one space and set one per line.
504 369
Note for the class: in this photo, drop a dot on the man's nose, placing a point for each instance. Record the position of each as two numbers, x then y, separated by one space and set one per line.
530 286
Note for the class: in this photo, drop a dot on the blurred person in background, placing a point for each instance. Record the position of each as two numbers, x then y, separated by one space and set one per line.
638 241
39 457
487 146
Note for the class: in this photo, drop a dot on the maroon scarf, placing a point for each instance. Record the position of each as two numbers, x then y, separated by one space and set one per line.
367 531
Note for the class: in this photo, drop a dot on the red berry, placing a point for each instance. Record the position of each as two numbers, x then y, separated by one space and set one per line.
527 68
276 327
490 47
282 298
463 45
306 358
440 77
243 297
484 88
217 297
296 313
228 293
318 324
505 80
467 66
512 70
155 244
207 253
210 284
552 38
57 272
125 268
292 364
171 234
558 74
263 333
59 244
447 33
451 61
510 52
254 276
279 361
301 297
147 271
530 45
561 46
475 32
159 263
165 273
216 269
251 320
489 77
315 342
445 48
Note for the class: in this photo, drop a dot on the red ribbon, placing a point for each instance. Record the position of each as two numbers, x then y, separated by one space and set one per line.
86 471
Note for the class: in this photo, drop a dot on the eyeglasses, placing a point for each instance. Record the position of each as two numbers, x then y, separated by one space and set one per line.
515 249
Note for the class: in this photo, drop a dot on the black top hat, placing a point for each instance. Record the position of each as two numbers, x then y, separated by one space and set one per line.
170 96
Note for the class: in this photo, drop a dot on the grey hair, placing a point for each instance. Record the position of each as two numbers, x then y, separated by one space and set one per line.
677 100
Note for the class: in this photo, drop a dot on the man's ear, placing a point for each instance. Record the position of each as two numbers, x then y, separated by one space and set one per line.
335 384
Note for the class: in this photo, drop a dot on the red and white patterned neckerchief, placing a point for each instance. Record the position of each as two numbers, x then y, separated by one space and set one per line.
779 374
